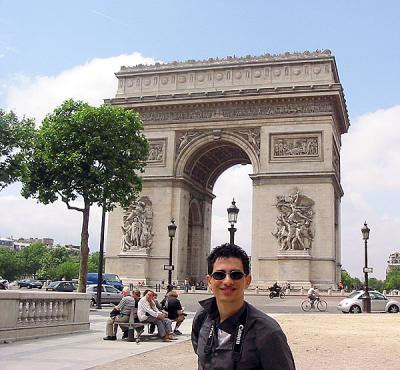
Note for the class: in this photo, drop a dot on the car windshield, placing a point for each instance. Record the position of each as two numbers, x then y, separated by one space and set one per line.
54 283
353 294
113 278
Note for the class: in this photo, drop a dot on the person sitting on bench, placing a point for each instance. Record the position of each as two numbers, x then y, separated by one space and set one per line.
124 307
173 307
148 312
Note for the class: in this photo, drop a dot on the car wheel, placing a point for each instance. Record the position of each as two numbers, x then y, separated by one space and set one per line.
39 287
393 309
355 309
29 286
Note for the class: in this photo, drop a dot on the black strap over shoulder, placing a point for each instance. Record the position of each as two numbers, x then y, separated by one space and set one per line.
238 338
237 345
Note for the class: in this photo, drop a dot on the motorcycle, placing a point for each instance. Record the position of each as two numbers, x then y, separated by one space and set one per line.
276 293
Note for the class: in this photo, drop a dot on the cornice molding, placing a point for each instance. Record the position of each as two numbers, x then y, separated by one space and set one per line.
212 62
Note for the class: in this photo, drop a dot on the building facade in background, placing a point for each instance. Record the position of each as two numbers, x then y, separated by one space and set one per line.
284 115
393 263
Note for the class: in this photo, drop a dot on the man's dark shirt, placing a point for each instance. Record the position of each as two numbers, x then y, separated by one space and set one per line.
172 307
264 345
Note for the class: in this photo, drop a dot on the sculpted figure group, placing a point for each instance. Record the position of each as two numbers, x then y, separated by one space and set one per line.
137 225
294 222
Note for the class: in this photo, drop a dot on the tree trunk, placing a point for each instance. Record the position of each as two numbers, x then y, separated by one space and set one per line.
83 268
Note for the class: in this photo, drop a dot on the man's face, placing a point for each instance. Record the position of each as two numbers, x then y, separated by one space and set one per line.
228 290
149 296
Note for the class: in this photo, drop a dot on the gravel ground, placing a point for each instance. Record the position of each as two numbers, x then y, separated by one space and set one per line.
318 341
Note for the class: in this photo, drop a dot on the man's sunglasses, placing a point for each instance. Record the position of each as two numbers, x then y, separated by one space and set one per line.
234 274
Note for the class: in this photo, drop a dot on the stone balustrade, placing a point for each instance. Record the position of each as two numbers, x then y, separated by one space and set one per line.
28 314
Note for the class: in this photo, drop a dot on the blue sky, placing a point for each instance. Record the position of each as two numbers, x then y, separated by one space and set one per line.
50 47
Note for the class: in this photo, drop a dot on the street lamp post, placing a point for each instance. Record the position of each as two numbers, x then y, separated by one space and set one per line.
366 299
171 234
232 219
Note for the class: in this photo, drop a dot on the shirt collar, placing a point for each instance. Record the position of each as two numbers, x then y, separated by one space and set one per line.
229 325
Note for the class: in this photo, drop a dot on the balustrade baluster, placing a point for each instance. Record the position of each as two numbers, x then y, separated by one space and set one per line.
38 311
54 311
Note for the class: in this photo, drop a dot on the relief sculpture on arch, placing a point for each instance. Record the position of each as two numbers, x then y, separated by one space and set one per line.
294 228
137 226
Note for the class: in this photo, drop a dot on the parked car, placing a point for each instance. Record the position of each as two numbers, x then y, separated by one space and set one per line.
379 303
30 283
109 294
61 286
108 279
3 284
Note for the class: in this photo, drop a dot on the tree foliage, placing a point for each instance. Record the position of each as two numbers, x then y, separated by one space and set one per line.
393 280
15 144
10 266
41 262
88 152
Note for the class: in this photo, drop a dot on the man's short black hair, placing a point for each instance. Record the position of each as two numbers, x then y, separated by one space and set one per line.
225 251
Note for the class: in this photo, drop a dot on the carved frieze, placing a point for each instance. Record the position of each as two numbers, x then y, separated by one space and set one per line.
137 226
184 138
336 160
290 147
294 229
239 111
252 136
157 152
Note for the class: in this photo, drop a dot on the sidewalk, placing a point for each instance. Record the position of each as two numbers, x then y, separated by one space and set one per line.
79 351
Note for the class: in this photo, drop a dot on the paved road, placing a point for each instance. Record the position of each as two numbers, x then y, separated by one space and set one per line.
290 304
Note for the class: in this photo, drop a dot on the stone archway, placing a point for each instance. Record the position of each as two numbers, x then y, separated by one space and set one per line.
284 115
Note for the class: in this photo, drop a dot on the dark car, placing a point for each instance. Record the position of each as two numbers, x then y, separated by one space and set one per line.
30 283
61 286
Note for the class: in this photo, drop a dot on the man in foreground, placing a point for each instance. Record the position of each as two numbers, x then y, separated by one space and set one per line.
229 333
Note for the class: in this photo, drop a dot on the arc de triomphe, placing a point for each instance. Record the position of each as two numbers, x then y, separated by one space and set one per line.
284 115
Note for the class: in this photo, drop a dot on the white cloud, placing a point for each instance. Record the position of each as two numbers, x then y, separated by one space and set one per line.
27 218
371 182
371 152
91 82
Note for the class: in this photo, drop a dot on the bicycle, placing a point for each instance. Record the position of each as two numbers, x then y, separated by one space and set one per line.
320 304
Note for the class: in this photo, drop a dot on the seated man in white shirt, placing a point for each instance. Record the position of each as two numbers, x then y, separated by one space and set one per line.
147 311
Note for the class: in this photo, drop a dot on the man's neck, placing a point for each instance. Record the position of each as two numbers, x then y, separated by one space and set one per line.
226 310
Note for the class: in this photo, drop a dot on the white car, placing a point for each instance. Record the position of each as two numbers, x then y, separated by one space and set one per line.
109 294
379 303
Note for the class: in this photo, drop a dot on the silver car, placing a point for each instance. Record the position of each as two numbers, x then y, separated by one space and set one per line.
109 294
379 303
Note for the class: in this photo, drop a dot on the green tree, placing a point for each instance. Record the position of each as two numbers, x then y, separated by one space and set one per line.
31 258
67 270
93 265
374 283
15 144
392 280
347 280
10 265
51 259
87 152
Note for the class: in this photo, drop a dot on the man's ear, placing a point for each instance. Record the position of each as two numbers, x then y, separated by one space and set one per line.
209 281
247 280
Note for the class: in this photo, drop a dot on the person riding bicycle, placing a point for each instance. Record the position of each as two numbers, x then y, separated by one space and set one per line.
312 295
